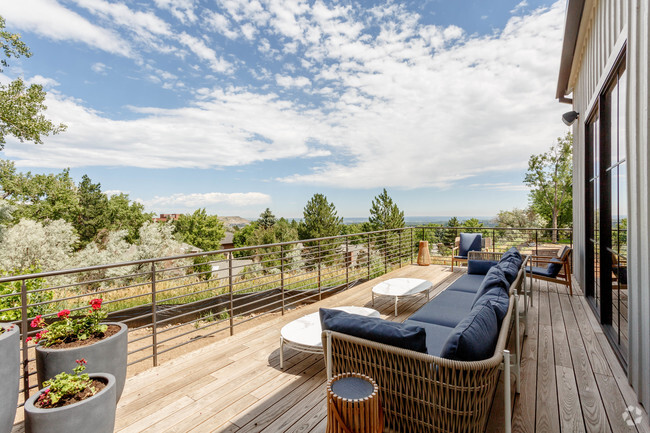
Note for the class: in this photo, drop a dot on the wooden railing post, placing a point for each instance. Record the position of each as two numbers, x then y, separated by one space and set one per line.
231 306
25 330
154 314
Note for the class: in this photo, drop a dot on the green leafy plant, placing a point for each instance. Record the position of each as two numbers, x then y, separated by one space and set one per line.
65 385
80 326
35 295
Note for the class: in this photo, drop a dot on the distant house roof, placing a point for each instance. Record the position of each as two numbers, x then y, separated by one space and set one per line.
228 239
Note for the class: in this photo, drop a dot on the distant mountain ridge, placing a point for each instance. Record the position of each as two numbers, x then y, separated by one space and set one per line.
234 221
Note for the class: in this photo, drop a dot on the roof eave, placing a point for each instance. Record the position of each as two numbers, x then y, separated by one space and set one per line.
571 29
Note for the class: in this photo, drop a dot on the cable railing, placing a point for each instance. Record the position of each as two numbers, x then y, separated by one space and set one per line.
171 302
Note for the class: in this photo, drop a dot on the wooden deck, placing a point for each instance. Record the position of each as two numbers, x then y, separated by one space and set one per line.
571 380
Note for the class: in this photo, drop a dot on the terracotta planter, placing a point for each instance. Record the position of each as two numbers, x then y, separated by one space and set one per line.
105 356
93 415
9 375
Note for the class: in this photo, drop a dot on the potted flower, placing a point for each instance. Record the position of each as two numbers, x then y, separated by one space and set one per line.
77 402
81 335
9 374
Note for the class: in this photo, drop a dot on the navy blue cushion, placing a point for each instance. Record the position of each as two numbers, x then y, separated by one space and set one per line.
494 279
469 242
541 271
374 329
466 283
479 267
498 299
436 335
475 337
512 255
510 270
446 309
554 268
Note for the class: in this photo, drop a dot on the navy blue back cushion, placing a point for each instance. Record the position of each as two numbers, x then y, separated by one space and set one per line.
494 279
498 299
475 337
469 242
374 329
512 255
479 267
510 270
554 267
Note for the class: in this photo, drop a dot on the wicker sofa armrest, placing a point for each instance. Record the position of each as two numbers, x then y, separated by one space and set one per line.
420 392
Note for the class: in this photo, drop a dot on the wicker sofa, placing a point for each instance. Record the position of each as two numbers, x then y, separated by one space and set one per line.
426 392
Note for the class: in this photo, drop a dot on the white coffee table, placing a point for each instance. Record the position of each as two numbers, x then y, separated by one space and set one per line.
304 334
401 287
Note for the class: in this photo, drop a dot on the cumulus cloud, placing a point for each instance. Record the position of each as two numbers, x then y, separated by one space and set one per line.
367 98
50 19
193 201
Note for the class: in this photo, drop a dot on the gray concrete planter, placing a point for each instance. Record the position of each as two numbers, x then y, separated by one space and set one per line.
9 375
106 356
93 415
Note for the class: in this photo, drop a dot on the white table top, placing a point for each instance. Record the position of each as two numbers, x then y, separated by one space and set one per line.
306 331
402 287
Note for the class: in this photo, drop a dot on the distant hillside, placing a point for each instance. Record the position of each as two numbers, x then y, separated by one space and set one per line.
234 221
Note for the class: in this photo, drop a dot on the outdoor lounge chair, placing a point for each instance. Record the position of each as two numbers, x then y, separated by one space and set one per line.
465 243
554 269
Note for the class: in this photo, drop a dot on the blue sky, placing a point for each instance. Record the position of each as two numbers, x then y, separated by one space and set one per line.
239 105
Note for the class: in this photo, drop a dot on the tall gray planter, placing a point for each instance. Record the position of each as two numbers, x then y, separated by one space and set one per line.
93 415
9 375
106 356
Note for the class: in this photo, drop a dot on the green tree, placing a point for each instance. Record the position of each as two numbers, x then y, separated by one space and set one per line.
243 238
518 218
126 215
21 107
267 219
39 196
319 219
384 213
200 230
550 177
472 223
93 211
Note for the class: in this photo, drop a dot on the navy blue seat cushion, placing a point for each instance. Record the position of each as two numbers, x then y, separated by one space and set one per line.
510 270
446 309
495 279
479 267
374 329
548 271
475 337
469 242
466 283
436 335
512 255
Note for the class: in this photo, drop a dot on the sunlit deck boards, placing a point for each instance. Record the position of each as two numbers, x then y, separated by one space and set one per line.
571 380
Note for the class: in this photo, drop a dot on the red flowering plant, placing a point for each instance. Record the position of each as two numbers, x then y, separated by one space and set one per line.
65 386
71 327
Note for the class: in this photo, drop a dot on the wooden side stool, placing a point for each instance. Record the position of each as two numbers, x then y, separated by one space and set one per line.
353 405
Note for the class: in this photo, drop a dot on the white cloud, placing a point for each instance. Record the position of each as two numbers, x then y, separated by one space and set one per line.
289 81
43 81
198 47
52 20
219 23
501 186
100 68
193 201
183 10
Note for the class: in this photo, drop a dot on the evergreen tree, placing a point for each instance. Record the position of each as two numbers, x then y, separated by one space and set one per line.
93 211
384 214
267 219
319 219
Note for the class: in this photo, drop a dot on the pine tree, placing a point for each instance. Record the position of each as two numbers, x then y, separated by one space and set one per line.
384 213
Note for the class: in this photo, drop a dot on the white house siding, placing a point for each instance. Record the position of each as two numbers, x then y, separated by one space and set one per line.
607 25
638 120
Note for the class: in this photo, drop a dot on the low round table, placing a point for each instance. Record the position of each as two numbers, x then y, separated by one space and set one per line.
401 287
353 405
304 334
